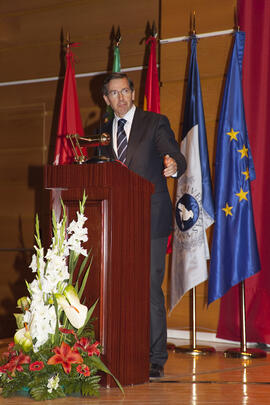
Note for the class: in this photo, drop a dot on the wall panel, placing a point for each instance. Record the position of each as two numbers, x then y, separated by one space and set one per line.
35 50
210 15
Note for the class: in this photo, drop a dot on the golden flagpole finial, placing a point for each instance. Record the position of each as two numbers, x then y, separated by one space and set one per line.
154 30
117 37
68 40
193 24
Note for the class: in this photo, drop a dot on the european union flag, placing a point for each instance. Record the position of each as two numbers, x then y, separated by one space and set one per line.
194 210
234 255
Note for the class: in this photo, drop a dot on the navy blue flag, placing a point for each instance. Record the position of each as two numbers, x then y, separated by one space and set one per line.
234 255
194 211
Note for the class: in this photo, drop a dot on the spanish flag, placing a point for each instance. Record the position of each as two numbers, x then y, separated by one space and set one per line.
151 95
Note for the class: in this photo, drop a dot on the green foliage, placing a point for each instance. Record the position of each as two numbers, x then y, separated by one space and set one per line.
84 275
91 388
56 333
40 393
89 314
101 366
11 386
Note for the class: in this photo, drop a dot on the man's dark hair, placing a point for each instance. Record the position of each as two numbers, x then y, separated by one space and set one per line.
113 76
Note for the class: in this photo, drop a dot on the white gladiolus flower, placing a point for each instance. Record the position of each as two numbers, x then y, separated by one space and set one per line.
42 325
75 245
35 290
60 272
51 280
33 264
38 261
78 235
77 226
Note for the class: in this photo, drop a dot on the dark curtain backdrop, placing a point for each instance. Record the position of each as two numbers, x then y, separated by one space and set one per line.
254 19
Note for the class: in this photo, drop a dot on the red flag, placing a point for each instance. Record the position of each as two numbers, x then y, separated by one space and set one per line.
70 122
151 94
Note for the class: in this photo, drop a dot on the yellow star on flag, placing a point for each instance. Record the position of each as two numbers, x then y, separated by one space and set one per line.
232 134
227 210
242 195
244 151
246 173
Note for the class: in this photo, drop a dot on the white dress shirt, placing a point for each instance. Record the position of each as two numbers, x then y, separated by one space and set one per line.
127 127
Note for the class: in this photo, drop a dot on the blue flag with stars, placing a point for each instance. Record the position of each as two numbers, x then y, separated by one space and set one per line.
234 255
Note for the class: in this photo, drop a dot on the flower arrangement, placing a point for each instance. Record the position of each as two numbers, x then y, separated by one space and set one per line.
54 352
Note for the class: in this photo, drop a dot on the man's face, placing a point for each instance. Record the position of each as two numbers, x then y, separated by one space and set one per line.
119 96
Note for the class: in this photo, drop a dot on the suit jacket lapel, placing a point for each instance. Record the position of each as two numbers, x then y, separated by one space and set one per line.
108 128
135 136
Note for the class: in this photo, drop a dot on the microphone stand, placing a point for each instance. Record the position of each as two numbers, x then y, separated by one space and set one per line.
98 141
94 141
101 139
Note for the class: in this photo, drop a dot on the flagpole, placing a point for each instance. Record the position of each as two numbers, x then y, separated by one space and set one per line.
194 134
193 349
243 352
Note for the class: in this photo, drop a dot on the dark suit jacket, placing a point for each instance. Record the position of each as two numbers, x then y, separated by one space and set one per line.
151 138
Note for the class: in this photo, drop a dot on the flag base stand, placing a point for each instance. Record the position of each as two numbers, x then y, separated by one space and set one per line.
192 349
239 353
243 352
195 351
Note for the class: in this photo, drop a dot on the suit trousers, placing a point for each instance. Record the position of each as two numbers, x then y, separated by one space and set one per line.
158 323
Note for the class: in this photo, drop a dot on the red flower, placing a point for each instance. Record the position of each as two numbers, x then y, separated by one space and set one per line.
93 349
83 369
2 369
15 364
36 366
11 352
66 356
84 344
11 346
67 331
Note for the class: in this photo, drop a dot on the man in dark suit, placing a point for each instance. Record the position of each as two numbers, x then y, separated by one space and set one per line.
145 143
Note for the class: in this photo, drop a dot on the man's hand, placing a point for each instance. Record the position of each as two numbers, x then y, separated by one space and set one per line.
170 166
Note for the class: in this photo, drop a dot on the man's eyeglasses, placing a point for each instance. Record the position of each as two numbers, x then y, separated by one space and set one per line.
115 93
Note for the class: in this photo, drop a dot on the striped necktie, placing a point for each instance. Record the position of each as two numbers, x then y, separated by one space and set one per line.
121 141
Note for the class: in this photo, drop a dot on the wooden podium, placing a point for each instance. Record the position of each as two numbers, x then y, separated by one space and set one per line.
118 212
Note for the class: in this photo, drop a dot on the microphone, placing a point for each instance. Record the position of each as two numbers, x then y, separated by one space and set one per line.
101 139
